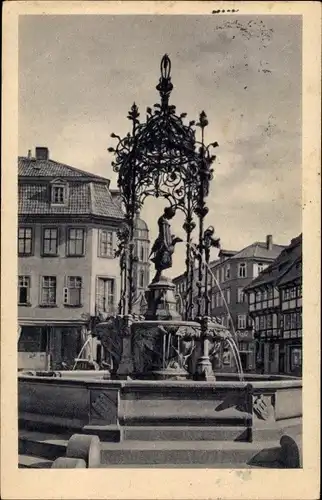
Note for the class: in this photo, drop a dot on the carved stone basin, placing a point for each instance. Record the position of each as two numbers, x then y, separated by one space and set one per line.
159 348
169 349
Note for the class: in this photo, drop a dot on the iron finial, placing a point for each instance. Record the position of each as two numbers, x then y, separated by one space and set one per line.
165 86
165 66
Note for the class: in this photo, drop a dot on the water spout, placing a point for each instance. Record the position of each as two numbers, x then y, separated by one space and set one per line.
231 341
81 352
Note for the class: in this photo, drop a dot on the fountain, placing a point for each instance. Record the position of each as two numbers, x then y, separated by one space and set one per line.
161 384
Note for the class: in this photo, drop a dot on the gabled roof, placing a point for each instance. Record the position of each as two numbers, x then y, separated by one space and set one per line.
281 266
293 273
259 250
32 167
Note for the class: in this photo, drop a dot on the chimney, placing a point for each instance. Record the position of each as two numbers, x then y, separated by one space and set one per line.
29 154
42 153
269 242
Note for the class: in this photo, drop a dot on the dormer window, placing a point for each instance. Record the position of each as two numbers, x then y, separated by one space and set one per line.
58 193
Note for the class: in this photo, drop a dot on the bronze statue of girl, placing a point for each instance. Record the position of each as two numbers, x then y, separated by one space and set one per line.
163 247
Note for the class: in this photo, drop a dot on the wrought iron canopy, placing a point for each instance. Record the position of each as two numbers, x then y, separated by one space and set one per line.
162 157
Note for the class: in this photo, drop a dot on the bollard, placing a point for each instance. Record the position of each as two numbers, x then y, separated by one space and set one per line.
86 447
68 463
291 451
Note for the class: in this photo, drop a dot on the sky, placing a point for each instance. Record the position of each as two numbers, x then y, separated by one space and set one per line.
79 75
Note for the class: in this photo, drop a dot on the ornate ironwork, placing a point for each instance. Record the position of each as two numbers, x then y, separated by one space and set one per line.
162 157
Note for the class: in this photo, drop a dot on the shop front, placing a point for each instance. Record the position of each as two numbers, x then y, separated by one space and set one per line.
51 347
293 358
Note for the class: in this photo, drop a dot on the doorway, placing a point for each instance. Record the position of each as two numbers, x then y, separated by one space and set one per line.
281 362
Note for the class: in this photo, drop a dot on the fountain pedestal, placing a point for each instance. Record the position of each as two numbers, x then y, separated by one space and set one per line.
161 301
204 369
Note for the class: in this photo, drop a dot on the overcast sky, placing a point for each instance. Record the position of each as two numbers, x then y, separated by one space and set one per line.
79 75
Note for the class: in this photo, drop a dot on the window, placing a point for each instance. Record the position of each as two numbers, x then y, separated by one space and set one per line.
296 358
58 194
25 240
33 339
293 321
75 242
251 297
262 323
142 253
260 267
50 241
293 293
23 290
265 294
299 319
274 320
299 291
270 293
73 291
141 280
258 296
106 244
242 270
241 321
287 321
217 299
105 296
269 322
227 271
228 295
286 294
48 290
241 295
222 274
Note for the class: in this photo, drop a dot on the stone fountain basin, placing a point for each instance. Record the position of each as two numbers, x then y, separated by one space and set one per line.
87 404
190 328
67 374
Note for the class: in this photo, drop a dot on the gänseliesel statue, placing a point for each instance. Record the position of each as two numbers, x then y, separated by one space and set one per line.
163 247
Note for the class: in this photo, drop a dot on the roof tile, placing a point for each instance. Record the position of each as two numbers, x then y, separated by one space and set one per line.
88 194
30 167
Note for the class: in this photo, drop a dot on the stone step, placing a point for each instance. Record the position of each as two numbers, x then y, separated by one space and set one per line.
190 453
38 444
33 462
157 453
185 433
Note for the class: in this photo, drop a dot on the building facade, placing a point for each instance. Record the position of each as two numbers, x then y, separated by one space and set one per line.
234 271
230 273
68 274
141 253
275 304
